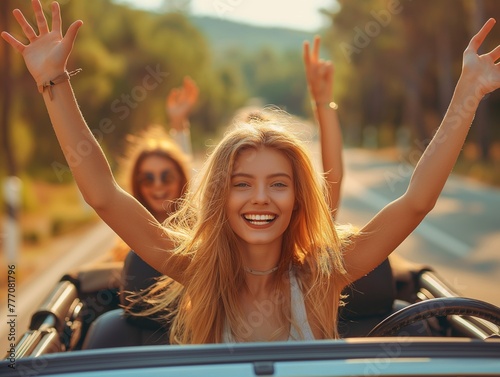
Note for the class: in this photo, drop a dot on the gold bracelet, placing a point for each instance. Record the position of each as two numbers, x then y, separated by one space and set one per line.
57 80
330 105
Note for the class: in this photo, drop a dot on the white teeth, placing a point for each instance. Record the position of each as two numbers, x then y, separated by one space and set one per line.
259 219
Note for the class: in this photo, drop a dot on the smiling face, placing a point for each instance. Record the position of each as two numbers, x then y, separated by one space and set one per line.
159 184
261 198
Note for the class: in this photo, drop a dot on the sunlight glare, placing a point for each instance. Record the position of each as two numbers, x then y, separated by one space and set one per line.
300 15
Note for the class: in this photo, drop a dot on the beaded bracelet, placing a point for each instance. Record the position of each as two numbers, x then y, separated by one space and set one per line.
57 80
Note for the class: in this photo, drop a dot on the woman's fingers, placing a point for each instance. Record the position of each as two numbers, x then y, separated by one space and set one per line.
13 42
190 88
188 82
27 29
173 96
319 72
41 21
315 54
70 36
56 17
479 38
495 54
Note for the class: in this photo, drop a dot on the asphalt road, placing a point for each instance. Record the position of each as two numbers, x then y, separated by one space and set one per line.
69 253
460 238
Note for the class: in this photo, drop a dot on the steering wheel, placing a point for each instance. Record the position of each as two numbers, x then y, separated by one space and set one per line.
436 307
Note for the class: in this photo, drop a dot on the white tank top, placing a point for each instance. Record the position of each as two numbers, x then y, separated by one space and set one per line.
299 315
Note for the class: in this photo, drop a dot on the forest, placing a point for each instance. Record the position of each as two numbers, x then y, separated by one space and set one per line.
396 65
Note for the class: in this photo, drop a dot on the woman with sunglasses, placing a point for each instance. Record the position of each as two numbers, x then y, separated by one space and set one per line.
156 166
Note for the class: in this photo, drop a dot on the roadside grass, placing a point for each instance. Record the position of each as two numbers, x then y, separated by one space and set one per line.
471 165
48 212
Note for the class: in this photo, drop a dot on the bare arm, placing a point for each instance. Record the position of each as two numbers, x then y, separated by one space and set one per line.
480 75
319 76
46 56
180 102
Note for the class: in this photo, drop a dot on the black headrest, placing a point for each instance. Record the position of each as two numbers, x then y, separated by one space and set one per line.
137 275
371 295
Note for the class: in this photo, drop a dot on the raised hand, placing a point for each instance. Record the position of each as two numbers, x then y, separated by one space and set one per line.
319 73
480 75
47 53
480 71
46 56
180 102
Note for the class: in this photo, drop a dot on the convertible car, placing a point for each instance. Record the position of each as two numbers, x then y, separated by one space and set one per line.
399 320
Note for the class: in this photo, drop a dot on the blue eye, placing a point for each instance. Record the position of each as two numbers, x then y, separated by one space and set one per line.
279 184
241 184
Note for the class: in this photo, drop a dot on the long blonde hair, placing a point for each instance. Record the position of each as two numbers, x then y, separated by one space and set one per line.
209 300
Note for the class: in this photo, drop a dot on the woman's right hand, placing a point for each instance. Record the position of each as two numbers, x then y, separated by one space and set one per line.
180 102
47 53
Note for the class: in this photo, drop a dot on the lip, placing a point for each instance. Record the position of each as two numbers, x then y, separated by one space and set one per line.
159 195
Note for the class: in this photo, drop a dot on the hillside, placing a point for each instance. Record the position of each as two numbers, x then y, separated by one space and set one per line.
224 35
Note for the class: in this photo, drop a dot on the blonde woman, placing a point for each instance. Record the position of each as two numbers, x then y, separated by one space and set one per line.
254 251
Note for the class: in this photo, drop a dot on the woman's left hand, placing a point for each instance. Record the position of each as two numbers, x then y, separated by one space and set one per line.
319 73
180 102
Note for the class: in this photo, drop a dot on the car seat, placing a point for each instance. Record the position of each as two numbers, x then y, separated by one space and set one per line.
377 295
369 300
116 328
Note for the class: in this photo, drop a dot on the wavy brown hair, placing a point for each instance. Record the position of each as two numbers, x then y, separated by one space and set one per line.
153 141
209 300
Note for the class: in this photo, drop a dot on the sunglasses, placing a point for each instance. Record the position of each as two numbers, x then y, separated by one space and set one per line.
166 177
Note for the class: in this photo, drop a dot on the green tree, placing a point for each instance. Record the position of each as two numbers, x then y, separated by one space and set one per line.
130 59
397 64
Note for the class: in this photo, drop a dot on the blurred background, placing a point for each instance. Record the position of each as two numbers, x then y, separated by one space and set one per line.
396 65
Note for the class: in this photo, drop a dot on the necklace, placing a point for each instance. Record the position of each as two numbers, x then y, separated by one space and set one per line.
258 272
